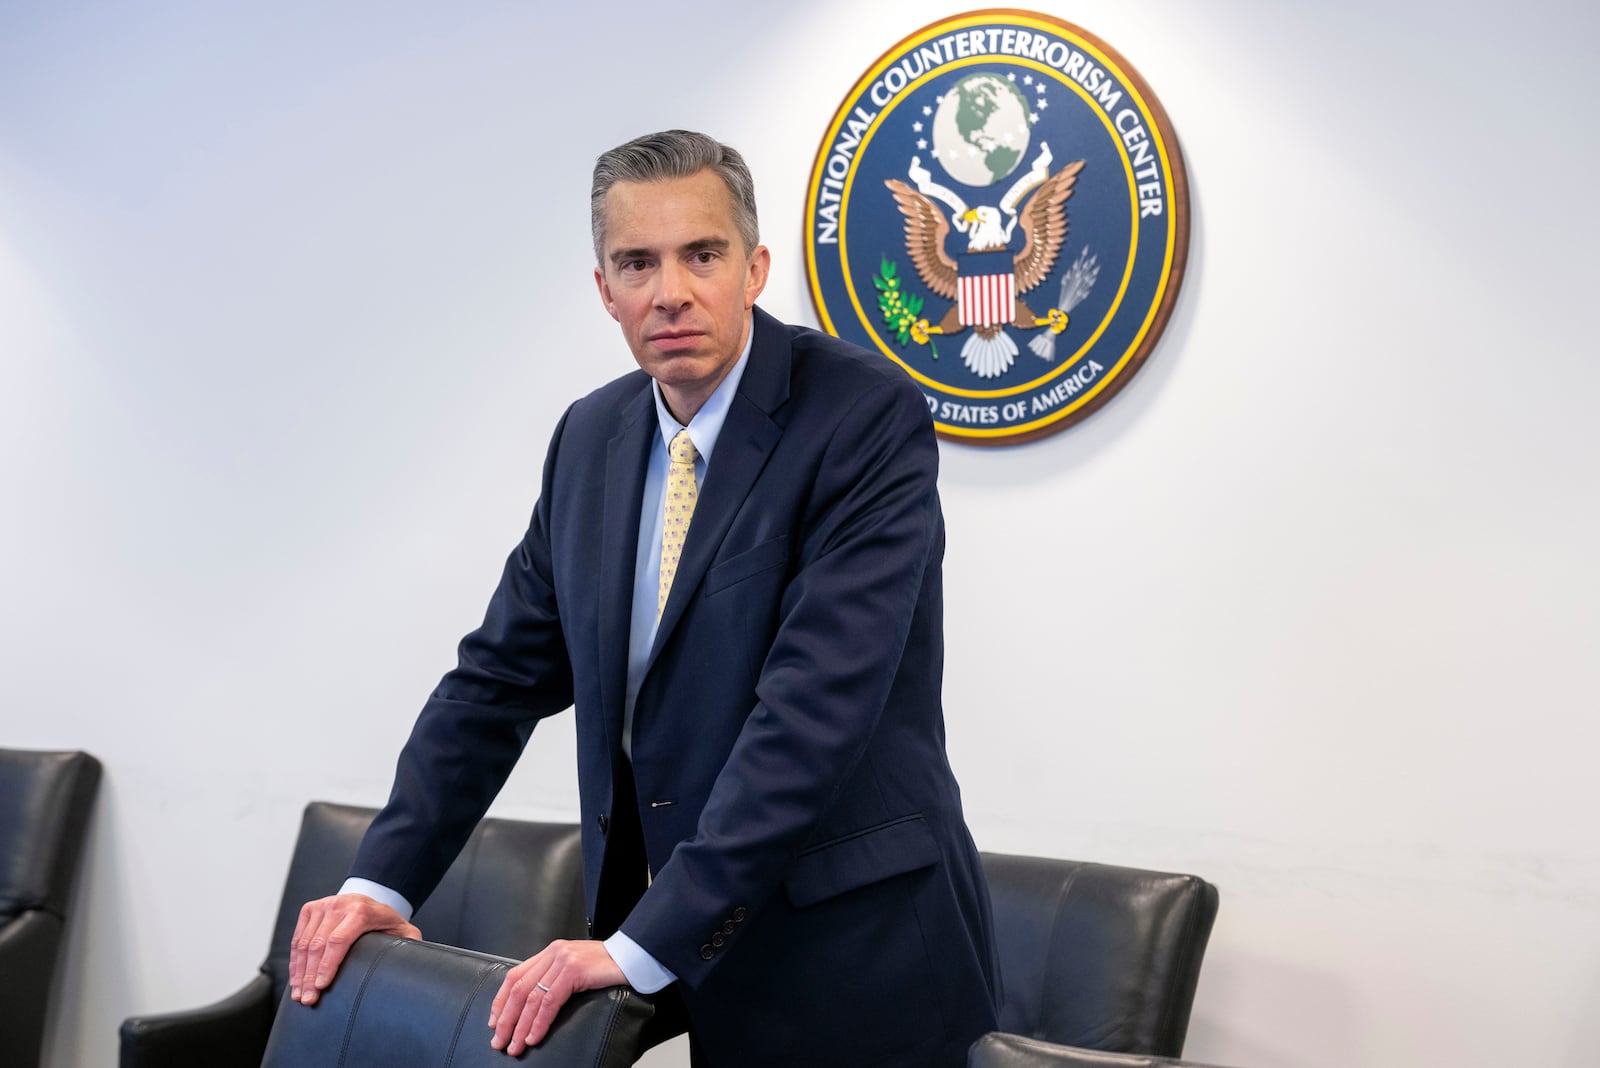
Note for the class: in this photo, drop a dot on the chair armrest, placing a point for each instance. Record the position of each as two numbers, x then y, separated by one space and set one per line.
231 1033
997 1049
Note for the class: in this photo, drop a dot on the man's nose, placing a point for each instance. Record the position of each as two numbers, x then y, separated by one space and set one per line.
672 287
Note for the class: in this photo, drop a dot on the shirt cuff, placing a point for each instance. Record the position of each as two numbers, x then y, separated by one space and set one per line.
379 893
643 972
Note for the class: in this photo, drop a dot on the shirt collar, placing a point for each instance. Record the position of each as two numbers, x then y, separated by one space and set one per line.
706 424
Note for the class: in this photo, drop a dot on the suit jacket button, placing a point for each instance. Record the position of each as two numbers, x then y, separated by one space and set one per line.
717 939
706 952
605 823
727 928
738 914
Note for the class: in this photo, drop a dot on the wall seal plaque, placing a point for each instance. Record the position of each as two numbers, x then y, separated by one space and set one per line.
1000 207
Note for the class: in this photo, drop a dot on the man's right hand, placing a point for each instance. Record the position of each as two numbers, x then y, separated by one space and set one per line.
327 928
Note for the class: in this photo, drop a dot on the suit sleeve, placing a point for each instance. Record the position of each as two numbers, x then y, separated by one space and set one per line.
512 671
871 528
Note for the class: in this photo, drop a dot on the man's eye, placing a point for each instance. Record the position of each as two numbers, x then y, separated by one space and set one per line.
634 265
704 256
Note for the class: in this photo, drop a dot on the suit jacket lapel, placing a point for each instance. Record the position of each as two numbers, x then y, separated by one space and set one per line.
627 456
747 439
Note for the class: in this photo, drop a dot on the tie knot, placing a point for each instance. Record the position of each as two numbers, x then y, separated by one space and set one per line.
681 449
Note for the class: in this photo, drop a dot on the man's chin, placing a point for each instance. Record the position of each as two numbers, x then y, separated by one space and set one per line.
672 367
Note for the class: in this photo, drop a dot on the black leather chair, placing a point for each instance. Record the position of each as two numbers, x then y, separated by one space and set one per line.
45 801
1096 956
515 886
399 1002
1014 1051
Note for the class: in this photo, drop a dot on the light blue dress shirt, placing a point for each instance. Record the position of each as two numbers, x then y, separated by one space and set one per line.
644 973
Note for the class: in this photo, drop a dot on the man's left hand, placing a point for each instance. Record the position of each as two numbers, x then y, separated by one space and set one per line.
535 990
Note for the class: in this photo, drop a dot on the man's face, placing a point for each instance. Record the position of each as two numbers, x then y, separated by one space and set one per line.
678 279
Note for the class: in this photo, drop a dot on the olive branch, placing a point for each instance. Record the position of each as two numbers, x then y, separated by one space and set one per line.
900 309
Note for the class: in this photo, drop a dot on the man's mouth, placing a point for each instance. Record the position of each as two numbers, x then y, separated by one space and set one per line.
677 340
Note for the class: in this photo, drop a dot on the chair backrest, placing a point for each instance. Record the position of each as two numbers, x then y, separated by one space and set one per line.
1097 956
45 800
398 1002
1014 1051
516 886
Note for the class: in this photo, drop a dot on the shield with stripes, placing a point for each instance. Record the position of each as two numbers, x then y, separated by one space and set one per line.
986 291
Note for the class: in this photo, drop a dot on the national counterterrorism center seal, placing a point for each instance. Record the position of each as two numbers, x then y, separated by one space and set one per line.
1000 207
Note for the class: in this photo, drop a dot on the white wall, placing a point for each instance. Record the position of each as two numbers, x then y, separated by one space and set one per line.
290 301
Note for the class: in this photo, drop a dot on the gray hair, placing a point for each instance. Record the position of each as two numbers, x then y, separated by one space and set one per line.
659 157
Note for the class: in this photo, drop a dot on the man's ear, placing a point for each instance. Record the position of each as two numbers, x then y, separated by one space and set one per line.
756 280
605 292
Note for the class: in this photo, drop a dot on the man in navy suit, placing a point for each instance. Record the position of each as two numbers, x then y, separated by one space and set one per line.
772 835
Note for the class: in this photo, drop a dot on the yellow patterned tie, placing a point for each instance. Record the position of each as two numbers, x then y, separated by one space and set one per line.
681 495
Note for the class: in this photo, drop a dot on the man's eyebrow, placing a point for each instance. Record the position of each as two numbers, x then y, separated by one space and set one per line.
622 254
699 244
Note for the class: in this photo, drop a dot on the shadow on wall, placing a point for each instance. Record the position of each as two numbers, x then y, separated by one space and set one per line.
1316 1007
1586 1037
1124 413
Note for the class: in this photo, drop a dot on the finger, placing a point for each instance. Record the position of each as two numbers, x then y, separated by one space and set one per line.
519 992
526 1027
297 949
311 962
501 996
537 963
351 926
499 1001
308 950
514 993
549 1003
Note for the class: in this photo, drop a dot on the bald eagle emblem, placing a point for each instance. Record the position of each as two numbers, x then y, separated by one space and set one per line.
987 281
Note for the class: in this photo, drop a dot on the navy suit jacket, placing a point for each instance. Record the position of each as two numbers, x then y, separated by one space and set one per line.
814 888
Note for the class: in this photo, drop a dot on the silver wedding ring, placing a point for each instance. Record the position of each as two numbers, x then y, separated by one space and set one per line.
541 986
